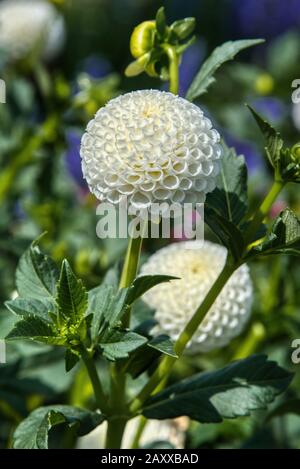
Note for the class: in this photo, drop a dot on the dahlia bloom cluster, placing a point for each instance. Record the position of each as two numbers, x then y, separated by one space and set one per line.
151 147
30 27
198 266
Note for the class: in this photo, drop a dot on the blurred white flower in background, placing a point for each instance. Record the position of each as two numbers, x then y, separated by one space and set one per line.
150 146
30 27
170 431
198 265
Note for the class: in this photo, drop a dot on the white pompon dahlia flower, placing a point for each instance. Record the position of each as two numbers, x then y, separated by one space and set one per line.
30 26
198 265
152 147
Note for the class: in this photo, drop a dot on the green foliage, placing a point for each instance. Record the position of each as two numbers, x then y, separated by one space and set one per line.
144 283
230 198
72 297
284 237
117 344
227 205
33 432
285 161
163 344
233 391
205 77
31 306
37 274
34 328
69 316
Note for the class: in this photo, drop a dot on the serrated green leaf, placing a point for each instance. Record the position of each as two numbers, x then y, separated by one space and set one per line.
100 303
33 432
31 306
36 274
71 359
72 296
230 198
119 344
144 359
163 344
34 328
236 390
144 283
222 54
273 138
118 308
284 237
229 235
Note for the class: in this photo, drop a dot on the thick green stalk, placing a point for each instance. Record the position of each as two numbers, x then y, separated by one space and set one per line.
165 367
173 68
263 210
130 267
131 262
114 434
100 396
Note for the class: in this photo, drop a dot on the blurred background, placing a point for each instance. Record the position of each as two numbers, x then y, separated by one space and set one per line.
49 101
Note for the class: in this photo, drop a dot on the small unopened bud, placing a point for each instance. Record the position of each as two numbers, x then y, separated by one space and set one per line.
142 39
295 153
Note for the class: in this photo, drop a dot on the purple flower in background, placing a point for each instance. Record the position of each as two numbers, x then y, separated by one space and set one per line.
243 147
272 108
190 64
73 160
97 67
265 18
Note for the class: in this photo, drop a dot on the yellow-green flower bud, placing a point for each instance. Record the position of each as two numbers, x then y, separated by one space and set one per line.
142 38
296 153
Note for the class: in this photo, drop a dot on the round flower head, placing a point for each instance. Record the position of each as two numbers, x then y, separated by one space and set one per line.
151 147
198 265
30 27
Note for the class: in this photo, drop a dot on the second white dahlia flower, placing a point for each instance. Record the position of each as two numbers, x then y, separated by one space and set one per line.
30 27
198 265
150 146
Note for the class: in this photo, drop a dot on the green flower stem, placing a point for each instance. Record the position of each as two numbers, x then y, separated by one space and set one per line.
252 341
117 402
167 363
131 265
100 396
263 211
131 262
173 67
116 426
141 427
114 434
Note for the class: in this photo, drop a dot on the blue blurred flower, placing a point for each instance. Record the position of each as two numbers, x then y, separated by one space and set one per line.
72 158
273 109
264 18
97 67
249 150
190 64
